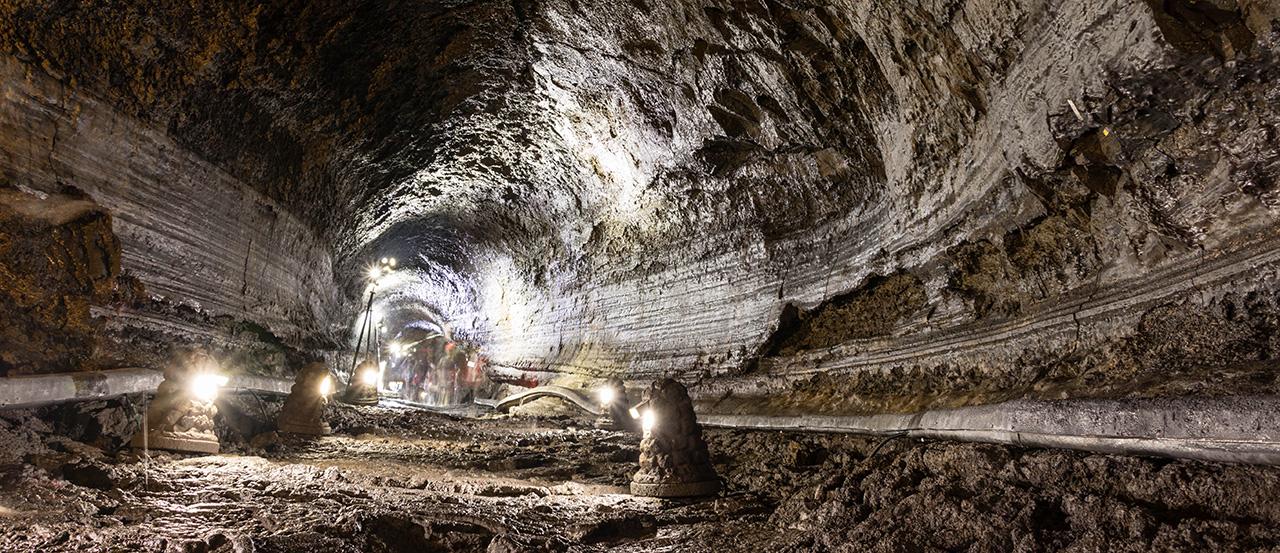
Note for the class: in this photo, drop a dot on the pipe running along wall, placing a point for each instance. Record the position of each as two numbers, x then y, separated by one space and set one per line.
1239 429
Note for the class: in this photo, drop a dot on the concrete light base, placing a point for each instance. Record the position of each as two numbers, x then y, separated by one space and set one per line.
303 412
291 427
674 461
605 422
352 397
675 489
189 442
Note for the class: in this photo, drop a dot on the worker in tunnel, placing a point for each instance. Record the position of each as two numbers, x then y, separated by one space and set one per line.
434 368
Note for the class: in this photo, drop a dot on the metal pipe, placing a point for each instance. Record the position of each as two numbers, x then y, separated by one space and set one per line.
1244 429
20 392
568 395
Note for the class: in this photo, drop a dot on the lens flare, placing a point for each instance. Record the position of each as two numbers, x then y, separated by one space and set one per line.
205 386
369 377
649 420
607 394
326 386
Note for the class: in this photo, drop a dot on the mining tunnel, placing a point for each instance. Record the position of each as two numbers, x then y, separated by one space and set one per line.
644 275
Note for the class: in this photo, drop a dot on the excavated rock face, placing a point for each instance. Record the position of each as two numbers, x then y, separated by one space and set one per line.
841 206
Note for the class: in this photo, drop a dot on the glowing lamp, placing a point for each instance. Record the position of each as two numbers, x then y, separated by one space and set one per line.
634 413
374 273
369 377
677 465
205 386
326 387
607 395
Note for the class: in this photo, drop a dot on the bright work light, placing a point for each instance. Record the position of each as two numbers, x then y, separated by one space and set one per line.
205 386
607 395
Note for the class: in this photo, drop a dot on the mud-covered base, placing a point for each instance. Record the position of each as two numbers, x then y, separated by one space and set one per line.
400 480
305 429
192 442
675 489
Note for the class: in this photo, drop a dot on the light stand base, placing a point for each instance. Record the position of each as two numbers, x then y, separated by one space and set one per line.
193 443
675 489
290 427
359 399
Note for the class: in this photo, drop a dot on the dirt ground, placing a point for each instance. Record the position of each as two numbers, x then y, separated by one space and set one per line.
398 479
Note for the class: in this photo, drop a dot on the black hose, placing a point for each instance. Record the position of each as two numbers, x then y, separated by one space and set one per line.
897 434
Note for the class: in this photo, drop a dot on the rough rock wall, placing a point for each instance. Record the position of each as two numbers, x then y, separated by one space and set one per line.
789 159
58 258
842 206
280 122
221 264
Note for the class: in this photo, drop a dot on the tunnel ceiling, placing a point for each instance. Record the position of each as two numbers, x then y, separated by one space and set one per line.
855 205
434 128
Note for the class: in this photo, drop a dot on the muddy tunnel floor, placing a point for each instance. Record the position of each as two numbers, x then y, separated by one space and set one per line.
393 479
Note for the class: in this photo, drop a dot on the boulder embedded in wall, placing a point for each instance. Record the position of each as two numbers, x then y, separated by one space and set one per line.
58 256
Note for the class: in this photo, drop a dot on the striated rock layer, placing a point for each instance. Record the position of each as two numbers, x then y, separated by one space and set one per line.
846 207
1048 200
221 264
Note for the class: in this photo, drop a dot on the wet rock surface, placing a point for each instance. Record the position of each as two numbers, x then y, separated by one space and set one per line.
401 480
